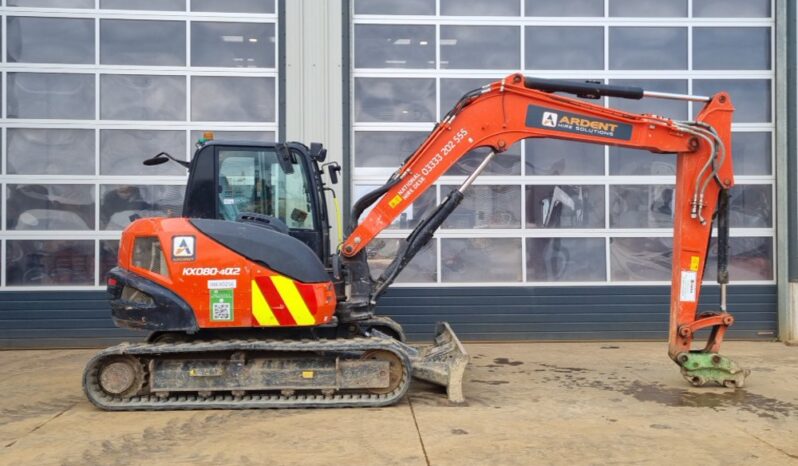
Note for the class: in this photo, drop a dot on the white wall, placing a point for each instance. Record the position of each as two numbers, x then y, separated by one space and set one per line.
313 79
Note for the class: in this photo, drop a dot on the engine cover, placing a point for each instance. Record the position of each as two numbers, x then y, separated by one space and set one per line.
267 279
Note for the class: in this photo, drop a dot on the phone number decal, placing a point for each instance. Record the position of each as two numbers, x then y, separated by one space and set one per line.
417 179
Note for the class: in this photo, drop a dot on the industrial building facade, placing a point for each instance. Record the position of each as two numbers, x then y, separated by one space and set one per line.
557 240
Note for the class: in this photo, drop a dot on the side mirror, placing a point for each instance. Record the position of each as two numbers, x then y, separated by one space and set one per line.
317 152
284 158
163 157
332 170
155 160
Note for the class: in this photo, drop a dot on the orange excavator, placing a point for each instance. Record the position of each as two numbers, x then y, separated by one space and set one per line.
249 305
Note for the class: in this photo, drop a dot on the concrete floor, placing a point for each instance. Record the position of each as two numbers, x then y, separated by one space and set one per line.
529 403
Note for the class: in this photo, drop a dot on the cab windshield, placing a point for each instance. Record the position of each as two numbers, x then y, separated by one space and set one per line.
253 181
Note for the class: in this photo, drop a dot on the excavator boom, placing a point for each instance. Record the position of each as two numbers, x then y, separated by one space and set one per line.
502 113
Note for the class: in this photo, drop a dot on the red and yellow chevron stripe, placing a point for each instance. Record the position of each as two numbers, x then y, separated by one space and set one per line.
278 301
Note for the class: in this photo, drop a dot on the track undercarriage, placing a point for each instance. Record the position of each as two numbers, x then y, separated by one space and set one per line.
367 371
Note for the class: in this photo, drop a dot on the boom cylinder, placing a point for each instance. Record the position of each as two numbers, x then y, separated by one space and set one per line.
426 229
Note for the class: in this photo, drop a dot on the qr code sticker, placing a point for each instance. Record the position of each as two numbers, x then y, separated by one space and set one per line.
222 311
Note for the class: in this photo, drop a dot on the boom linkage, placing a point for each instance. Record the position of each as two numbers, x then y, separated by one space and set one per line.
502 113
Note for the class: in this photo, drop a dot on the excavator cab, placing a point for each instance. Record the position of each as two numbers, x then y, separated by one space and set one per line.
275 185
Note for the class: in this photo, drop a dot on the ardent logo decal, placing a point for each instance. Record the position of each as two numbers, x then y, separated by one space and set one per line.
541 117
549 119
183 248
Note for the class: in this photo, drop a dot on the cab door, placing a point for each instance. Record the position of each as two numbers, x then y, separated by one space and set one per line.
251 180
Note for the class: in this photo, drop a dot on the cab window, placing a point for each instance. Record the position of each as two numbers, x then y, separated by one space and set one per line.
253 181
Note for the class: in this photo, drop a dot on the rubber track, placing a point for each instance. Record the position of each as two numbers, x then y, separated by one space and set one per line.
256 400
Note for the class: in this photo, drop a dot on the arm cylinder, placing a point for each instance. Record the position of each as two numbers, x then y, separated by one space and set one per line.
586 89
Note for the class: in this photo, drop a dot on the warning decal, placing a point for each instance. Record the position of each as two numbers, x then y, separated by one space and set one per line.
395 201
687 289
695 261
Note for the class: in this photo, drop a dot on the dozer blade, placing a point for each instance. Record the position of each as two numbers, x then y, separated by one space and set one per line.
443 363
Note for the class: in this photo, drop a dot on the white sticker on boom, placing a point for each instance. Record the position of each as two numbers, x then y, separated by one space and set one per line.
688 286
221 284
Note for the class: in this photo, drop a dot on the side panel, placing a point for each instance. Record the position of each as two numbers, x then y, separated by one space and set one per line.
224 289
215 282
278 301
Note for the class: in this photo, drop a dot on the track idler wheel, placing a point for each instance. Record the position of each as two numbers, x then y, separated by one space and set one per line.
121 376
395 369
